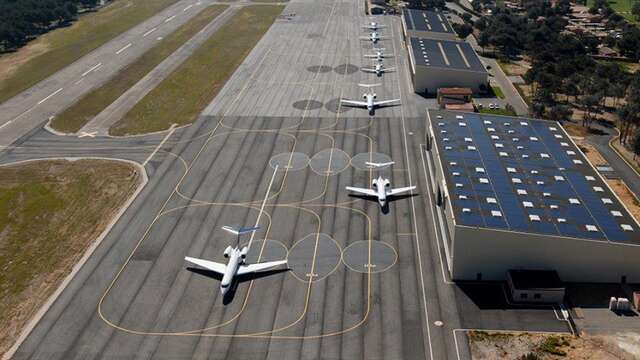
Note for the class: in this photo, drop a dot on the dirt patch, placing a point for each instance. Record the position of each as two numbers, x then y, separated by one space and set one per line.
514 68
50 213
9 63
592 154
626 196
490 346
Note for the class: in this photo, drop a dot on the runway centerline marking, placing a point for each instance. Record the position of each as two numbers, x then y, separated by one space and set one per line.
149 32
170 18
123 49
50 96
92 69
171 130
187 8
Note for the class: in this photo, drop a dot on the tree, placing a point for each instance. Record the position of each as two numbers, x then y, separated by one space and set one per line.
636 145
463 30
635 10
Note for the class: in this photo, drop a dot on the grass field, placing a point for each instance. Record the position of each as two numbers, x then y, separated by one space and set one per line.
66 45
90 105
622 7
50 212
190 88
497 91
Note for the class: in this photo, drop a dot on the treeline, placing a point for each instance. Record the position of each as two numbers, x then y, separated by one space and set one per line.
22 20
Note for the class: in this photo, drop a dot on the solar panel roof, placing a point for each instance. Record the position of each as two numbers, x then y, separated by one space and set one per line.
422 20
445 54
525 175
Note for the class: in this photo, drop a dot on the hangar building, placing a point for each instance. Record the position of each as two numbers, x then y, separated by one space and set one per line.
443 64
517 193
426 24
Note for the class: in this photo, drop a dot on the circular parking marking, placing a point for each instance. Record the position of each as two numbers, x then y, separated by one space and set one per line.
289 161
356 256
346 69
301 257
335 107
273 250
359 161
307 105
329 161
319 69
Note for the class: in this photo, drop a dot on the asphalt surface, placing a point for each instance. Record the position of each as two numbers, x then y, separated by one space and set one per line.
135 297
34 106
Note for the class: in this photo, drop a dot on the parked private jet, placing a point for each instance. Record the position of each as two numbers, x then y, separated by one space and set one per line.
378 69
373 26
378 55
381 188
370 102
236 265
374 37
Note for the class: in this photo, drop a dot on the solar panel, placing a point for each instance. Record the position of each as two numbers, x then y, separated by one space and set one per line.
537 179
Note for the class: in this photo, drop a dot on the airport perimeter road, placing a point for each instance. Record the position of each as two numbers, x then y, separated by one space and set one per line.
512 96
34 106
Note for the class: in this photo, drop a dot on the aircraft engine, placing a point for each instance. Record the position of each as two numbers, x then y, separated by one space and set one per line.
374 183
227 251
243 253
364 96
375 96
387 183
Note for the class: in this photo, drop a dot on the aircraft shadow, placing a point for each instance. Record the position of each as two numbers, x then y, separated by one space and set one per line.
385 208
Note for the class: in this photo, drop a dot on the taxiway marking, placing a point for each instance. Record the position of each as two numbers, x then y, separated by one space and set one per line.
92 69
187 8
50 96
171 130
123 49
149 32
88 134
170 18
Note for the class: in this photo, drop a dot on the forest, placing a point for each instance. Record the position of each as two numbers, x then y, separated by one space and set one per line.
23 20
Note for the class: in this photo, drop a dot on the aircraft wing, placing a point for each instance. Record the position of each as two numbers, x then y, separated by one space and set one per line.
245 269
369 70
209 265
400 190
365 37
353 102
385 102
374 164
368 192
371 56
389 69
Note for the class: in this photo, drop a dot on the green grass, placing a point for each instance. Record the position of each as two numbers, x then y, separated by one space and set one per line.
497 112
622 7
551 345
90 105
67 45
497 91
182 96
50 211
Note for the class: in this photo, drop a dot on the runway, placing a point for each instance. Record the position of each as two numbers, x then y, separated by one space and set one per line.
362 283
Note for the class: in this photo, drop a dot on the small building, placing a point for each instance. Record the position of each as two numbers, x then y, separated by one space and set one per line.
445 64
535 286
426 24
454 96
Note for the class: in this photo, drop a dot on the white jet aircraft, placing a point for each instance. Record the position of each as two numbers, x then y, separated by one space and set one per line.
373 26
378 55
381 188
378 69
378 165
374 37
370 102
236 265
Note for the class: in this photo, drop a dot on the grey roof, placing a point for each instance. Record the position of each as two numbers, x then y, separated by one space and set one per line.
422 20
525 175
448 54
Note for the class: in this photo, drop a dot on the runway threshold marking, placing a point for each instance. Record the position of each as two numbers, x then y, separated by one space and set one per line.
92 69
50 96
171 130
123 49
149 32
